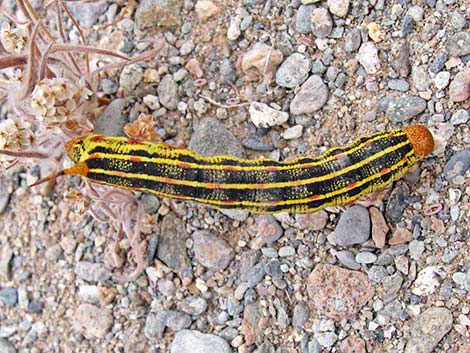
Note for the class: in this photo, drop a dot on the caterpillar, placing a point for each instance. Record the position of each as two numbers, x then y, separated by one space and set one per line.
336 177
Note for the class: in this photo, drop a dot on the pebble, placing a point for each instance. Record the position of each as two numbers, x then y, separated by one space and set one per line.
457 165
401 64
326 339
153 14
428 329
348 259
153 328
286 251
194 305
338 8
206 9
338 293
398 85
256 275
4 199
441 80
420 78
461 116
321 22
377 274
293 132
192 341
303 19
396 203
293 71
92 272
368 57
261 62
87 13
353 227
400 236
401 109
268 229
301 314
174 320
428 280
352 40
352 344
168 92
234 31
416 249
438 64
92 321
312 96
212 251
172 246
459 89
111 122
9 296
379 227
6 346
262 115
6 254
227 71
211 138
273 269
407 25
366 258
459 44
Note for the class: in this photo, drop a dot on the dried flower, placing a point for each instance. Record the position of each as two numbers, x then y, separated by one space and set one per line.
13 40
56 100
15 135
80 202
143 127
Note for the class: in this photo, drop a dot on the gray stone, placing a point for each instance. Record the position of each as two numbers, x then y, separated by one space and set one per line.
6 346
87 13
377 273
352 40
428 329
326 339
153 328
401 109
6 254
366 258
321 22
457 165
293 71
416 248
227 71
9 296
194 305
300 315
92 272
168 92
368 57
348 259
461 116
131 76
303 19
211 138
353 227
174 320
459 44
273 269
256 275
192 341
398 85
438 63
212 251
4 199
420 78
312 96
111 122
401 62
339 7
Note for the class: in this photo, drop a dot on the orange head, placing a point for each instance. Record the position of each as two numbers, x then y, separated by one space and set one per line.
421 139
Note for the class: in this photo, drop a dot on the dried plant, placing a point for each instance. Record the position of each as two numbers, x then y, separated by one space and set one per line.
51 90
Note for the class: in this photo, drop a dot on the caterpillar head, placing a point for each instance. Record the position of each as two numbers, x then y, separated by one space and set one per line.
421 139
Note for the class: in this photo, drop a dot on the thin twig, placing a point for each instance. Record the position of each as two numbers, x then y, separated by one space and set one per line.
217 104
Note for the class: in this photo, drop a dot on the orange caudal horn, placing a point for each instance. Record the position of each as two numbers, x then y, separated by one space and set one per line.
421 139
78 169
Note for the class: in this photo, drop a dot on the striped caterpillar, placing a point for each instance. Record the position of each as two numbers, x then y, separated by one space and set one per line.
338 176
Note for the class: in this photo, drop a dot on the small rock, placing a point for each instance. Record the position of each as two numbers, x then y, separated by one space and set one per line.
353 227
300 315
392 284
428 329
264 116
352 40
407 25
377 273
256 275
457 165
4 199
286 251
211 251
151 14
6 346
420 77
461 116
338 8
379 227
261 61
6 254
273 269
293 71
312 221
352 344
268 228
375 32
168 92
92 321
192 341
9 296
368 57
234 31
92 272
206 9
293 132
459 44
338 293
321 22
111 122
366 258
348 259
459 89
401 109
441 80
416 248
428 280
87 13
131 76
153 328
396 203
401 62
174 320
326 339
303 19
312 96
194 305
398 85
400 236
438 63
166 287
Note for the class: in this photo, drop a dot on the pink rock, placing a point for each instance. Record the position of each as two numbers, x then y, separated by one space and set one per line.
352 344
312 221
338 293
379 227
261 61
459 89
401 236
92 321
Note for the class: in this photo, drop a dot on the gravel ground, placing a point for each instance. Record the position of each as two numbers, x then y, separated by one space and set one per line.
261 78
